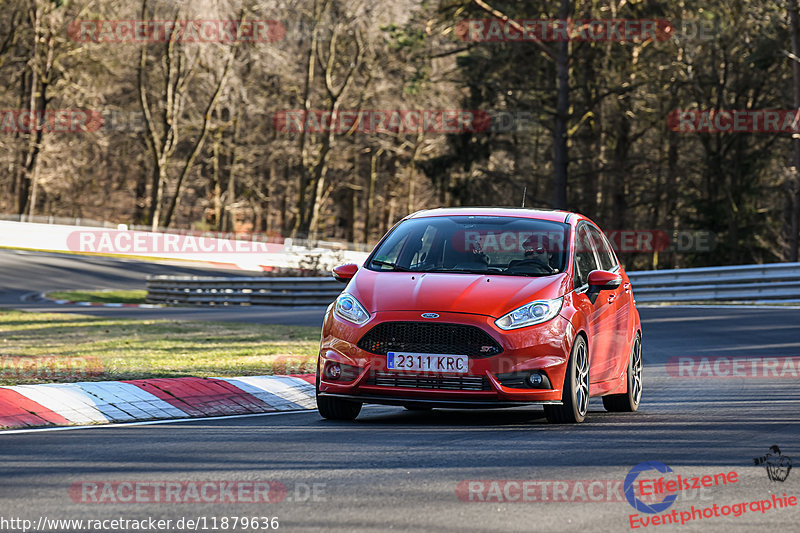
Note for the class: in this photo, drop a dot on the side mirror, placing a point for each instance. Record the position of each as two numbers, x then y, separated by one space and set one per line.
602 280
345 273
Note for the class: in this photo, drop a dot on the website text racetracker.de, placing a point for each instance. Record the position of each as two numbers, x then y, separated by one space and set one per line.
198 523
622 241
193 492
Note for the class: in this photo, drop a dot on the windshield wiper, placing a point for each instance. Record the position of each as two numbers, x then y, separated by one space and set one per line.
463 271
396 268
528 274
491 272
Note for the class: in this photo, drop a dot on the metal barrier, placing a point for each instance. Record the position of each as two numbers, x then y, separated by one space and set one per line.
779 281
242 291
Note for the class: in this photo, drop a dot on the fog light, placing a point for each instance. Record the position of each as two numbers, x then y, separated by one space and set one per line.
535 379
333 371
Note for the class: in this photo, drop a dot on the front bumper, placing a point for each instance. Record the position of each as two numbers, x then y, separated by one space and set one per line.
543 348
431 402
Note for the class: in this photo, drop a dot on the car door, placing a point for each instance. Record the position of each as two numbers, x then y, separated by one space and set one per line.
599 313
618 308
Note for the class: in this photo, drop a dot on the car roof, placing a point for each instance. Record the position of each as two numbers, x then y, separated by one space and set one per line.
554 215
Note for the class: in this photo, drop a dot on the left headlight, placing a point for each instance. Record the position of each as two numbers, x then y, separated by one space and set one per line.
348 308
530 314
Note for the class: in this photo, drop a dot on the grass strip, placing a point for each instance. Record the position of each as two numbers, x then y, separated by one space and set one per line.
61 348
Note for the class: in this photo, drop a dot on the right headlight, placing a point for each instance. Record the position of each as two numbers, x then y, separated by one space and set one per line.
530 314
348 308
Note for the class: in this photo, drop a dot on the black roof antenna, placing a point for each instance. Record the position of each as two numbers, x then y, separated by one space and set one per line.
524 192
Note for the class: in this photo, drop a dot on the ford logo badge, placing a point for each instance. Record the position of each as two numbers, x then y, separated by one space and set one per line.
429 315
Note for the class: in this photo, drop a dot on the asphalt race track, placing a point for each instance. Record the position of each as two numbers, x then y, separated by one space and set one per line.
397 470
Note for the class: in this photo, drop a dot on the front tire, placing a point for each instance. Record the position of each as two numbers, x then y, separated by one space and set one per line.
575 395
628 402
337 409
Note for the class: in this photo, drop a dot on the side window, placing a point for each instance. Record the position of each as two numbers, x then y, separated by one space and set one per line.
585 260
392 255
610 251
604 253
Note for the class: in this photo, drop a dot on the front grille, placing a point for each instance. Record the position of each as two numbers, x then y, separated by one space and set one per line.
424 337
410 381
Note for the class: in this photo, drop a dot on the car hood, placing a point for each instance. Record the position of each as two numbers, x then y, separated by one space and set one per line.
455 293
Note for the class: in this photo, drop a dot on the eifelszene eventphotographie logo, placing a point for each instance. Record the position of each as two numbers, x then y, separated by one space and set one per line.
630 484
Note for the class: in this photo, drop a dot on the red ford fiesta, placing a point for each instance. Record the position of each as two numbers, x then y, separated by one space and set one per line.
479 308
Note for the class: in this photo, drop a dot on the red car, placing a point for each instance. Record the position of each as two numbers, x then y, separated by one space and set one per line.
479 308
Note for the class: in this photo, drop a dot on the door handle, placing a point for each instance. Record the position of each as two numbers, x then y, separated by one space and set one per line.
612 297
627 286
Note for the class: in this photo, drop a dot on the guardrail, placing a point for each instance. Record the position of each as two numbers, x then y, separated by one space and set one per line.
779 281
242 291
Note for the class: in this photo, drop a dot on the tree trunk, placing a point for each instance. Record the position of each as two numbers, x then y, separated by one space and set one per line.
317 185
370 202
140 192
673 184
560 155
302 177
215 179
37 104
272 173
792 183
285 228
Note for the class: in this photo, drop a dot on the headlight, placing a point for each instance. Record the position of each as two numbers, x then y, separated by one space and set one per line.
347 307
530 314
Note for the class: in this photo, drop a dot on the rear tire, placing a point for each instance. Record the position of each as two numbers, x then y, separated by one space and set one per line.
337 409
628 402
575 395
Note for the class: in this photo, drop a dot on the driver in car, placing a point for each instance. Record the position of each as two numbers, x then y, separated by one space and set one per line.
537 249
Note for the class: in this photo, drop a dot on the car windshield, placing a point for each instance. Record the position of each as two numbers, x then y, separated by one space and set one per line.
496 245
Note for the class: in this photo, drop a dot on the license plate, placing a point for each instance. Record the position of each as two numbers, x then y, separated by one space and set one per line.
425 362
